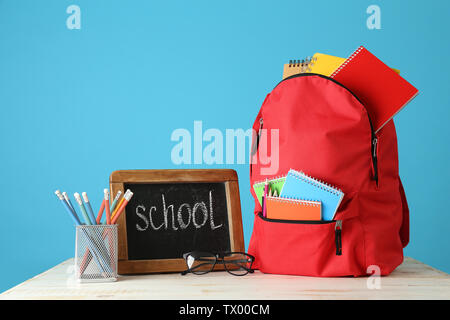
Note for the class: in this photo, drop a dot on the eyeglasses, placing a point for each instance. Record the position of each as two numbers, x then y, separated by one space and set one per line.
236 263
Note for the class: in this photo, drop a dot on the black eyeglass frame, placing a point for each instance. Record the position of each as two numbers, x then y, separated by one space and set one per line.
219 257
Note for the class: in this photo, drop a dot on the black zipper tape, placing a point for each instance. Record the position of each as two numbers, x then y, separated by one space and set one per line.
374 137
258 136
295 221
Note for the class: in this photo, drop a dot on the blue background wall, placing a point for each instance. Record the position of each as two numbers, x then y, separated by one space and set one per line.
137 70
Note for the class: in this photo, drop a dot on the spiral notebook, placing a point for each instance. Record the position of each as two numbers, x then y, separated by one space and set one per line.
291 209
383 92
300 186
319 63
275 184
295 67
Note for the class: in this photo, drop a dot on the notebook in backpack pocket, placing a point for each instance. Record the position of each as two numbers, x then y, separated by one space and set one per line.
299 185
275 184
292 209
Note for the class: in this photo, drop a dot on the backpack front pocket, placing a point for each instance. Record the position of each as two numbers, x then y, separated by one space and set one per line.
310 248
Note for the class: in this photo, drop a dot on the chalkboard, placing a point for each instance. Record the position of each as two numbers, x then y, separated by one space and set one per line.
173 212
166 220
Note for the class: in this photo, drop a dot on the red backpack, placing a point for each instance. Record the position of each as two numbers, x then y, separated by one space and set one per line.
325 131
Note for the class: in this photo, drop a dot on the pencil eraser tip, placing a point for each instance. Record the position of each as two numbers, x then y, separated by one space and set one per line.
78 198
128 195
85 197
59 195
106 193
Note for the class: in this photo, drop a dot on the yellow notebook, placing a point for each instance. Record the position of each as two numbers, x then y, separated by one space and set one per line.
324 64
319 63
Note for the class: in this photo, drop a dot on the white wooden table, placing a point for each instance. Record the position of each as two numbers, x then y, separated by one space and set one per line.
412 280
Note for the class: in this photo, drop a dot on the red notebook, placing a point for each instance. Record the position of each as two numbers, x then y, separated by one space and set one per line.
382 91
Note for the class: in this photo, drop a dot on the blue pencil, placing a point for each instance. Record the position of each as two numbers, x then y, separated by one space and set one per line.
66 197
89 207
91 244
83 209
70 210
116 199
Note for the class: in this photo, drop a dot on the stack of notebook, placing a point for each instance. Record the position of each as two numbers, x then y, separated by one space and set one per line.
319 63
301 197
381 89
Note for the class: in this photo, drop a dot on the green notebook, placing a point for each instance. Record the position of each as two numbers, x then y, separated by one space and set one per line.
274 184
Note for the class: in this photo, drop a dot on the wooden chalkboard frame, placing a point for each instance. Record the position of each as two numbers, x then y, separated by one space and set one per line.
226 176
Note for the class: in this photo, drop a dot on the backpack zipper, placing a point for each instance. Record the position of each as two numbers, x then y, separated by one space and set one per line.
337 228
374 141
258 136
374 157
338 237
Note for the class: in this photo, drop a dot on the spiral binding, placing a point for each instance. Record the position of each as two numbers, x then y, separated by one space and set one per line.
315 182
353 55
304 65
307 203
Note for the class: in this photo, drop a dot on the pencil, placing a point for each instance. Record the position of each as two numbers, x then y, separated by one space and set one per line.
68 207
116 199
89 208
82 208
118 206
66 197
127 196
108 213
100 212
266 187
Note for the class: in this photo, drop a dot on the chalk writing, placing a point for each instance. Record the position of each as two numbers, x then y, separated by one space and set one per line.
197 214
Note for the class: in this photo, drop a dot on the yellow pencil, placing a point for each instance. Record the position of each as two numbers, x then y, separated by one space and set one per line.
117 208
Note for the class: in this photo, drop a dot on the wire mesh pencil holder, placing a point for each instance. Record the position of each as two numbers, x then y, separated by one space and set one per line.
96 253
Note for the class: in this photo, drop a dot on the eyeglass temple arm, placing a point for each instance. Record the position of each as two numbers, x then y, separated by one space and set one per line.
192 269
239 260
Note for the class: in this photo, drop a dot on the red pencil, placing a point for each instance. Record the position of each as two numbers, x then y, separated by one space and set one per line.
100 212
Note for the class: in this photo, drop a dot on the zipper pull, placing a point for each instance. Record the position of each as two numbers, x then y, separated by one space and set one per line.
338 237
374 144
255 145
374 158
261 122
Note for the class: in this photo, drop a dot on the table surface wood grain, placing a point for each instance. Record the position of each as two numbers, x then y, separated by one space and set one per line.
411 280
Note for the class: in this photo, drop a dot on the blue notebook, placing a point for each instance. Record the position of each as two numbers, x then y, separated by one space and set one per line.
300 186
